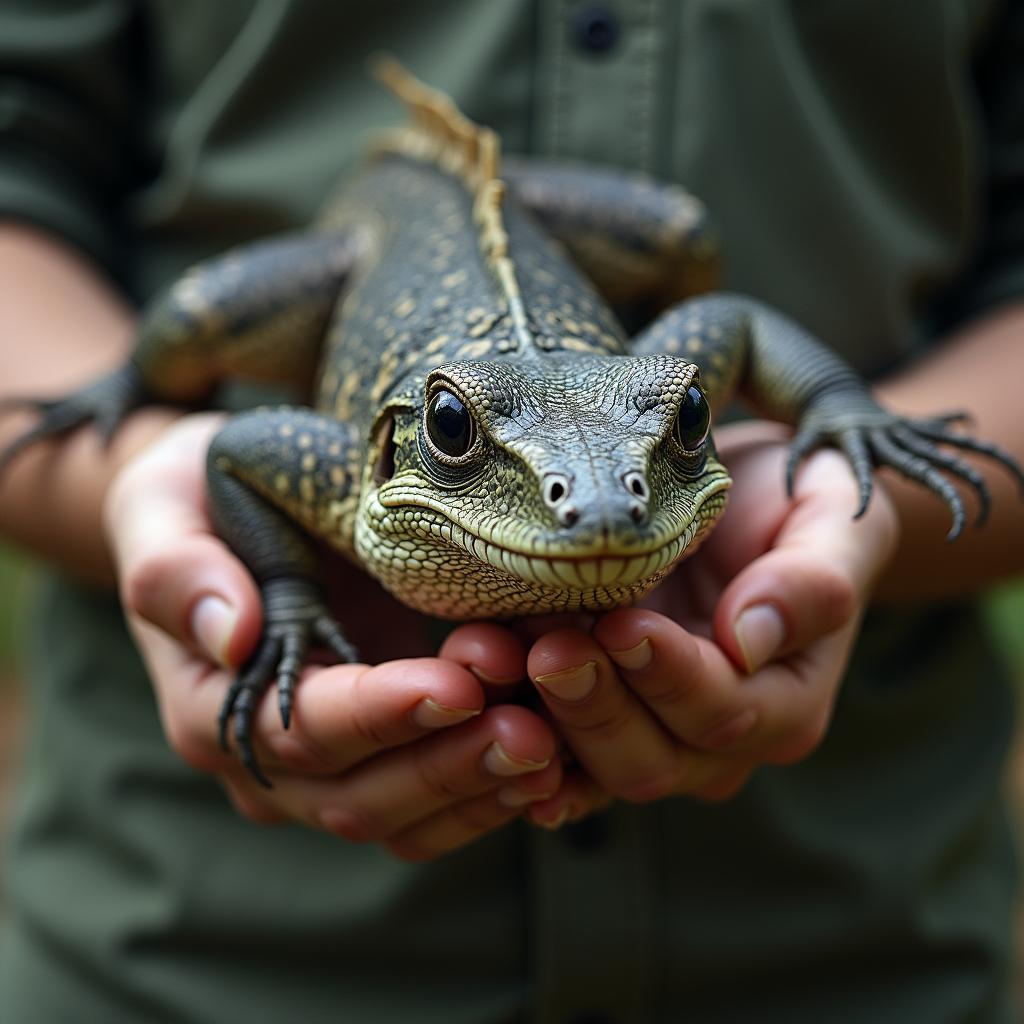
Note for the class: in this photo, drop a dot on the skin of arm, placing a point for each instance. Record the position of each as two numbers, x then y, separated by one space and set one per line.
979 370
62 323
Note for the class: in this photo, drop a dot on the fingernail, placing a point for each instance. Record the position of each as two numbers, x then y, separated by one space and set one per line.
760 632
486 677
571 684
213 624
634 658
432 714
509 796
498 761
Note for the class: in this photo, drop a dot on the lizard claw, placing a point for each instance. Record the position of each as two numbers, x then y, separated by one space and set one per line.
104 402
294 615
871 437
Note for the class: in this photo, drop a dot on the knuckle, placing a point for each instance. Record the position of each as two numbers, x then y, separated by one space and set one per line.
835 595
606 720
143 582
724 727
355 823
367 730
296 754
477 817
364 724
666 691
435 777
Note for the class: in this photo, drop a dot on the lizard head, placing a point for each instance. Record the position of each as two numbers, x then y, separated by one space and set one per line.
553 485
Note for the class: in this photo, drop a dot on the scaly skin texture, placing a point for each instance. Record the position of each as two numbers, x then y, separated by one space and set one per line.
485 439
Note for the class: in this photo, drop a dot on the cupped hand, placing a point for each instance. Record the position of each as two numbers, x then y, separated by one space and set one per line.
734 662
405 753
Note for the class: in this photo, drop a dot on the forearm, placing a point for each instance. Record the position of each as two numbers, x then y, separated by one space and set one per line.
62 324
979 371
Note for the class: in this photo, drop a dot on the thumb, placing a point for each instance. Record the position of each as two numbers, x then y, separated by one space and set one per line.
816 576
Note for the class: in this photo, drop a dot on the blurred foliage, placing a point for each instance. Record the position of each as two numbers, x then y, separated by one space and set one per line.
1006 616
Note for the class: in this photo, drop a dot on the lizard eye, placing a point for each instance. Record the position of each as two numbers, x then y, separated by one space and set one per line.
449 425
693 421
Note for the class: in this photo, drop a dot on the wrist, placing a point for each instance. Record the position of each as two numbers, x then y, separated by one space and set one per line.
52 494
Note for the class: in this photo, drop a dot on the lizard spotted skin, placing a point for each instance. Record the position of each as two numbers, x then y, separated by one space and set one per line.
483 437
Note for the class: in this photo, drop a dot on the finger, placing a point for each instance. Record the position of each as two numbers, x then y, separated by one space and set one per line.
384 796
693 691
578 797
777 714
795 699
182 680
609 729
820 570
194 589
342 715
491 652
465 822
174 572
248 803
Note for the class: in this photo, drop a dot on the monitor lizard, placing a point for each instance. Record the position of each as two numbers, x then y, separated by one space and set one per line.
484 438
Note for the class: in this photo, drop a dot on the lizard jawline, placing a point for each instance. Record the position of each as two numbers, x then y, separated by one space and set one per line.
581 573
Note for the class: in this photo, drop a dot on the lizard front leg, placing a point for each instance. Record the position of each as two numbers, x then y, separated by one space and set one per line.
788 375
275 477
258 312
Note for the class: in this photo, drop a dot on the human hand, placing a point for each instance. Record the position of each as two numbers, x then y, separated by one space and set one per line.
734 662
404 753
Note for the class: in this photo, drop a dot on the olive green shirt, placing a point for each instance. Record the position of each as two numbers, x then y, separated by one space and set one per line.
860 161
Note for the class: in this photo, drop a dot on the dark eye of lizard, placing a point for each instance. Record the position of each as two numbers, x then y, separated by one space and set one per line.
449 425
693 421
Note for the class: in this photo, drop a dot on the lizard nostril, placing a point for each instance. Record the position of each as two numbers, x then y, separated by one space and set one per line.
636 484
638 513
567 516
556 489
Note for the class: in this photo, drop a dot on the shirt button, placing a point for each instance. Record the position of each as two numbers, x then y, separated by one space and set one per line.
595 28
588 834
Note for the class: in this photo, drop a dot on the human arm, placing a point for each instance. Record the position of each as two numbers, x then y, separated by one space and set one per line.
62 323
978 370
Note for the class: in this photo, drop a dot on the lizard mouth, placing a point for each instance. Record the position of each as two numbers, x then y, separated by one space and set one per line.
601 568
583 572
